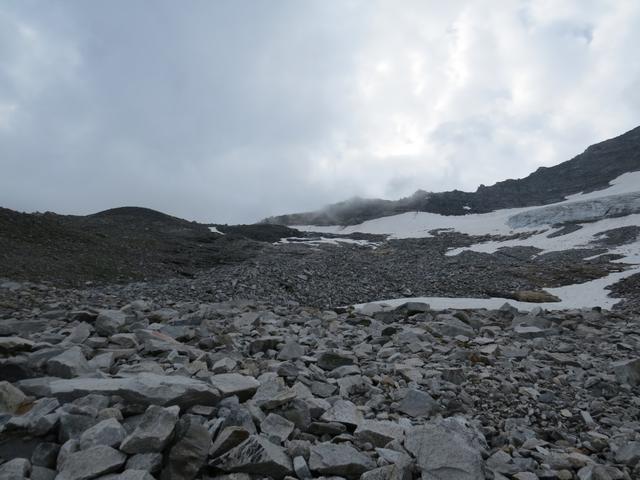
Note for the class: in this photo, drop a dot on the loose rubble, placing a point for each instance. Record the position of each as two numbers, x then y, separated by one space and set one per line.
241 390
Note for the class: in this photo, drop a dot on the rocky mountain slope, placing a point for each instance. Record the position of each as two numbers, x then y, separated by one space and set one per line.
139 346
102 386
591 170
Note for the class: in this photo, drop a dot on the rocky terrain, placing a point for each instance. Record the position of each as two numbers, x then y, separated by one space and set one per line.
96 386
591 170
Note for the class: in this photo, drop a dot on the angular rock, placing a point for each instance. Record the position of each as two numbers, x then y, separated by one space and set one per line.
444 454
45 455
379 432
339 460
291 351
91 463
189 452
109 322
417 403
154 431
15 469
149 462
256 454
230 384
11 398
227 439
343 411
70 364
277 427
332 360
627 371
38 420
13 345
107 432
144 388
129 475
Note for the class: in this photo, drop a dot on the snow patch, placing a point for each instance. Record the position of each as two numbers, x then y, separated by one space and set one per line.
215 230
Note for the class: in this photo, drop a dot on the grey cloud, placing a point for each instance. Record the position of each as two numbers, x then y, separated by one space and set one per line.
230 111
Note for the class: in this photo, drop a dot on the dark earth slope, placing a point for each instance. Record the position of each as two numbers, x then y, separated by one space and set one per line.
121 244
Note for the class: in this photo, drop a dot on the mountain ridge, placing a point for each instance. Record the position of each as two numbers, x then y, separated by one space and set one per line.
591 170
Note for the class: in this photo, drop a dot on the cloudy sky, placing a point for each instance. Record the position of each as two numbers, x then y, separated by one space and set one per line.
233 110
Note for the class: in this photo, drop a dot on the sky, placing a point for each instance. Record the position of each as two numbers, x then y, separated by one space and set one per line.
229 111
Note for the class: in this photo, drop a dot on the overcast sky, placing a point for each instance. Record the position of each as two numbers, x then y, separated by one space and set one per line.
230 111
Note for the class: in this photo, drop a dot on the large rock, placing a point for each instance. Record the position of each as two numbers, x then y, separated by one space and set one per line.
444 452
11 398
627 371
189 452
417 403
379 432
129 475
332 360
110 322
69 364
154 431
12 345
291 351
256 454
230 384
38 420
91 463
340 460
277 427
15 469
227 439
343 411
107 432
144 388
